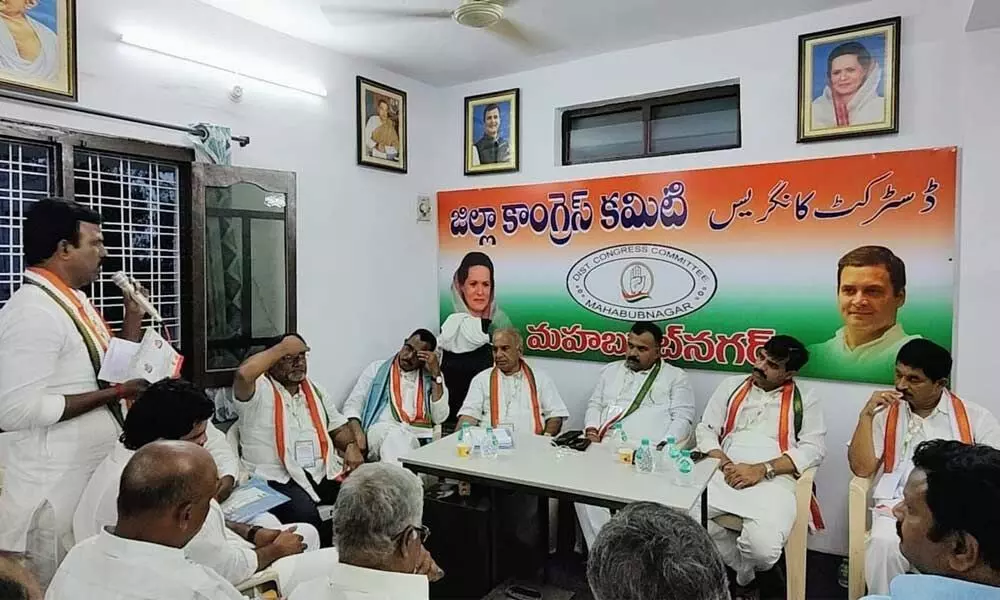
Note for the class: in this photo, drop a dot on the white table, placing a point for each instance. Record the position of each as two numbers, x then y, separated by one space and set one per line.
593 477
536 467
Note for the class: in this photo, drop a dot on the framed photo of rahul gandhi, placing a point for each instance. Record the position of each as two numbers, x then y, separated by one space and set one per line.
38 47
493 132
849 81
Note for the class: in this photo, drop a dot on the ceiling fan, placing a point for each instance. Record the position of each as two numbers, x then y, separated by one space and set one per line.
487 15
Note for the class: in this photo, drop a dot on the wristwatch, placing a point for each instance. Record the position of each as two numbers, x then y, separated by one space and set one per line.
439 380
769 471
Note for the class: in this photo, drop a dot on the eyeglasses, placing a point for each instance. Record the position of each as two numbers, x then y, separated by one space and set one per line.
422 530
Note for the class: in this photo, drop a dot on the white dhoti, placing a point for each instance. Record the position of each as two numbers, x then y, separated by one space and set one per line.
768 511
591 518
390 441
883 559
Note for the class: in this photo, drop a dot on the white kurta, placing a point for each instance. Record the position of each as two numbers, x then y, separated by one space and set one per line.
42 359
347 582
883 559
45 66
215 546
768 508
388 438
515 399
257 435
667 411
113 568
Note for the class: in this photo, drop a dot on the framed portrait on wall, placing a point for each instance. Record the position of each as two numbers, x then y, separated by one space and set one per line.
492 132
381 126
38 47
849 81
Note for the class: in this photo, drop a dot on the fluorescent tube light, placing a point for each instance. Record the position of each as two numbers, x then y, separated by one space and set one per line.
222 63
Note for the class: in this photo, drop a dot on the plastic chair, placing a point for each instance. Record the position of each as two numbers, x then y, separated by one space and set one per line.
795 546
857 518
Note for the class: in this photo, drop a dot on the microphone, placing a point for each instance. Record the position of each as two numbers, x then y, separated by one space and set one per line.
122 281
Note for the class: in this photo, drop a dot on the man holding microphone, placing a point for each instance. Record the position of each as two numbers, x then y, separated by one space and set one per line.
52 344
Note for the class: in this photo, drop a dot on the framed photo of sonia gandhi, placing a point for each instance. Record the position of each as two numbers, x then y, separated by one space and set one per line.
849 81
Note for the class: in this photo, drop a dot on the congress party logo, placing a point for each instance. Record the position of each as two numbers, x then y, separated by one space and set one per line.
641 282
637 282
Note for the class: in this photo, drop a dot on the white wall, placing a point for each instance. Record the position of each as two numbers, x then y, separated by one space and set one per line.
945 74
365 267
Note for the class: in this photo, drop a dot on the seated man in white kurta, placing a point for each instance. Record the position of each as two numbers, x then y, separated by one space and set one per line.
512 392
889 429
397 402
650 398
765 430
177 410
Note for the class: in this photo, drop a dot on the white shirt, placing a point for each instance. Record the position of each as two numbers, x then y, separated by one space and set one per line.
45 66
215 545
225 459
666 411
515 399
113 568
257 435
347 582
43 359
354 407
935 426
754 437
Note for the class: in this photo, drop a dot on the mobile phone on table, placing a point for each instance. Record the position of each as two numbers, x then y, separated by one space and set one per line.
519 592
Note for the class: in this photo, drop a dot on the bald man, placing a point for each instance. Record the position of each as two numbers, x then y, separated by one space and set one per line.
163 501
513 392
16 582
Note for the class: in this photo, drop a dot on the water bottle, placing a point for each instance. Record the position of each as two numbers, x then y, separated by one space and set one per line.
675 450
685 469
489 447
464 446
644 458
667 458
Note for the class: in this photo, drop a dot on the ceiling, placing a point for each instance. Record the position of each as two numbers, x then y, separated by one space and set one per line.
441 52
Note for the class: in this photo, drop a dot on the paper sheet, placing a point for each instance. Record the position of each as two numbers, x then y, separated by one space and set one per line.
152 359
117 365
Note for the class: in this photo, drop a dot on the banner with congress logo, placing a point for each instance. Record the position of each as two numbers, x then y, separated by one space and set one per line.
853 255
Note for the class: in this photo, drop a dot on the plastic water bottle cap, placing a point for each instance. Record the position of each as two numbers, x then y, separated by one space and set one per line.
671 440
645 441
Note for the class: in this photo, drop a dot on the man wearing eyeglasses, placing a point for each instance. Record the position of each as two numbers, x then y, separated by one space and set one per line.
380 539
396 403
291 432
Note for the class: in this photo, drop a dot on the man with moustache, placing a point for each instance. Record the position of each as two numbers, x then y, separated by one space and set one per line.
291 432
871 288
765 429
891 425
61 420
947 524
650 399
396 403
